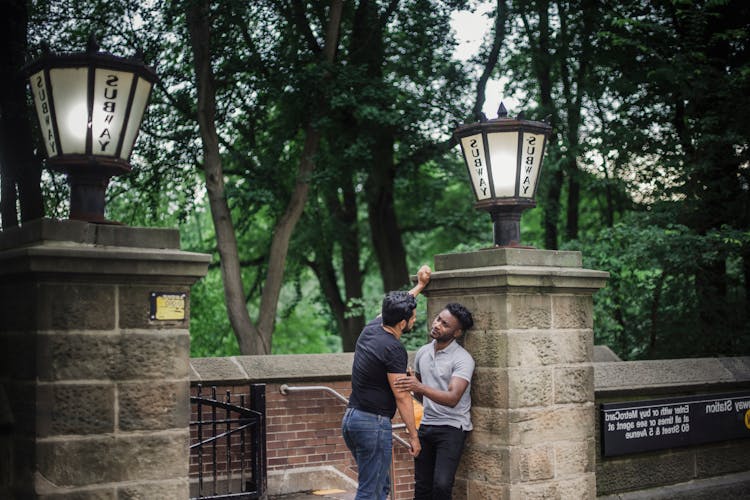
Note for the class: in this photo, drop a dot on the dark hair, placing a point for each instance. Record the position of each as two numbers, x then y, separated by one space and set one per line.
462 314
397 306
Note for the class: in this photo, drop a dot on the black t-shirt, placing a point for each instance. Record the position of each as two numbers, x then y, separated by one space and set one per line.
377 353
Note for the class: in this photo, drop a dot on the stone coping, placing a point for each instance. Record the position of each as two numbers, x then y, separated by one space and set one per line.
75 248
278 368
533 278
505 256
104 264
603 353
670 376
611 378
45 231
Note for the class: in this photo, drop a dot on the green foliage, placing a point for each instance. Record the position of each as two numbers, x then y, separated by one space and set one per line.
440 217
210 331
304 324
654 132
651 306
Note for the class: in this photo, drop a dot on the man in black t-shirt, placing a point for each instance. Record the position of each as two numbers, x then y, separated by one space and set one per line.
379 360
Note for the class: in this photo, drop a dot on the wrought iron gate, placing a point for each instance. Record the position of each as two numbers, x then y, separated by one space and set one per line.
228 445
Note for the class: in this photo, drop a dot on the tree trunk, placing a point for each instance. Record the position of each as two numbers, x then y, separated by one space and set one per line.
251 338
285 226
367 51
609 202
346 307
348 324
574 90
715 320
20 171
282 234
248 337
353 322
571 170
324 271
384 228
543 70
552 208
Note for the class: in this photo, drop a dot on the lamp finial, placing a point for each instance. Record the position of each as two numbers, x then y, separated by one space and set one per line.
92 46
501 111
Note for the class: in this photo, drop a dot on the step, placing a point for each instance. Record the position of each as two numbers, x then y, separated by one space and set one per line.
317 495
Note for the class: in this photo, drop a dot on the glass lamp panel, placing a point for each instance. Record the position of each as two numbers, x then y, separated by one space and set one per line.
504 162
473 149
69 94
531 160
138 107
44 112
111 94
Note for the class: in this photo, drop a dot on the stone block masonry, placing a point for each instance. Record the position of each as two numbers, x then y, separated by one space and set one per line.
97 391
533 390
713 470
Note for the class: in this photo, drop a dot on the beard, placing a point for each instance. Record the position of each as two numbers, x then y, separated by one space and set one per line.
409 326
442 337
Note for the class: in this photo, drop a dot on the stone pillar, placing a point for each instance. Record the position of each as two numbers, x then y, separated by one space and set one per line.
94 387
533 387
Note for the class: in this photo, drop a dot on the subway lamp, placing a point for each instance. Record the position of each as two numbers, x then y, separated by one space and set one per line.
90 106
504 159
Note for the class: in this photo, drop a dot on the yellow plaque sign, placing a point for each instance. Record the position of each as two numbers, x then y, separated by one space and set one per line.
167 306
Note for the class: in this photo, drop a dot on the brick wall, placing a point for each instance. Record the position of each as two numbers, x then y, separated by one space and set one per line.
303 430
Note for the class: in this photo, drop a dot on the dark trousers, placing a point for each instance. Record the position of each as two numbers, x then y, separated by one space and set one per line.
435 467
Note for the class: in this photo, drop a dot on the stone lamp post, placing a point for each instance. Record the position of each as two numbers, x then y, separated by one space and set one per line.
533 387
94 317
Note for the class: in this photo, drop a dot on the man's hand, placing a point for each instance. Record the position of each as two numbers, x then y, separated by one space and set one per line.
408 383
423 275
416 446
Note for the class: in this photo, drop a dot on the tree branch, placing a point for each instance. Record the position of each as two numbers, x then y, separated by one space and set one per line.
499 37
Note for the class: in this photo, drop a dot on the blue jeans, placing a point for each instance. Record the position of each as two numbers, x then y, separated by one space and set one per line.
369 438
435 467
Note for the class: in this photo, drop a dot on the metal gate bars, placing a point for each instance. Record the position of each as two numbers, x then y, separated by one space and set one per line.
228 445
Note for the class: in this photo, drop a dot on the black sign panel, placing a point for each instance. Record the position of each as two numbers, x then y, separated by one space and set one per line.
639 426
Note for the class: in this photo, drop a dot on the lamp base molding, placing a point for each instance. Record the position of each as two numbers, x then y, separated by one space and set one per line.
87 197
506 220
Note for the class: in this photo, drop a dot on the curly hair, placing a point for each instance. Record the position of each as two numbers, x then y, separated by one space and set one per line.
462 314
397 306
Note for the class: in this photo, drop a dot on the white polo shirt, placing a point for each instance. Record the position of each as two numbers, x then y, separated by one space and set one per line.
436 370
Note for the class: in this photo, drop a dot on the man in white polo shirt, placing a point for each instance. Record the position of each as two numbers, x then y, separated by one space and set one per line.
442 380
